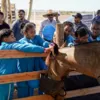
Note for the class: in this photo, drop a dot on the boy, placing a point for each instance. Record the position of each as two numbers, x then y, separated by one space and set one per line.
81 37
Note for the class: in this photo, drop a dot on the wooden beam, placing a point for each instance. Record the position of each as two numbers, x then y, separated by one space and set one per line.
83 92
39 97
19 54
20 77
70 94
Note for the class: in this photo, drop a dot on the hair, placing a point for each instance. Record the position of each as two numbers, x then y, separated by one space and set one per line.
81 32
21 10
4 33
96 22
68 23
1 13
27 26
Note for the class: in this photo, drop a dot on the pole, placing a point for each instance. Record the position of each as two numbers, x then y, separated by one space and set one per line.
59 34
30 9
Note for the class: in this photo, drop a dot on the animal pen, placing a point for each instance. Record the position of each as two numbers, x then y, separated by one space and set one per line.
19 77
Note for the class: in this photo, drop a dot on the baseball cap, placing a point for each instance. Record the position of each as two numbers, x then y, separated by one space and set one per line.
78 15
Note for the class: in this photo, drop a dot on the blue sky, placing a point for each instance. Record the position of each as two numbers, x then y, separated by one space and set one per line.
67 5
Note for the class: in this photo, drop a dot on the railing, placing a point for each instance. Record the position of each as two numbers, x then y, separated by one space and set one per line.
18 77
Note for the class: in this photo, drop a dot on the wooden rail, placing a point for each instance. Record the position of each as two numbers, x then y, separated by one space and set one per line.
18 54
19 77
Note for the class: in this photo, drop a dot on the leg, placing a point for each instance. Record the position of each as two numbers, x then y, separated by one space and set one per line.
23 89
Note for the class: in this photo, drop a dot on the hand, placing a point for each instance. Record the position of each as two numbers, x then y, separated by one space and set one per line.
47 50
51 47
56 17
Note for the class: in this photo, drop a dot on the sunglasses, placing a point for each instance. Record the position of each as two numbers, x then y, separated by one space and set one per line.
50 15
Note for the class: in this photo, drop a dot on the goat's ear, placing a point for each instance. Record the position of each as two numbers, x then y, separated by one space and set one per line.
47 60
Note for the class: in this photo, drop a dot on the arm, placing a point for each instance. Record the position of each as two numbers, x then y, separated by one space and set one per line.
42 42
27 47
56 17
14 27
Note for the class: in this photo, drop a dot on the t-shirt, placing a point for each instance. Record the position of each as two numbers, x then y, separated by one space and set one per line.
16 27
69 39
4 26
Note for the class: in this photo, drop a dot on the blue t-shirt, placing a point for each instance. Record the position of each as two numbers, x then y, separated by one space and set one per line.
69 39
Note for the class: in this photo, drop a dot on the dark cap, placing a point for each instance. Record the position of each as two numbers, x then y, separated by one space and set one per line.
78 15
98 12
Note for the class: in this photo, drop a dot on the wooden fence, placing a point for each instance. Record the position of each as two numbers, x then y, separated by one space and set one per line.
35 75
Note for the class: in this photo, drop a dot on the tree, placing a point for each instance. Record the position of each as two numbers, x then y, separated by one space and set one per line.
30 9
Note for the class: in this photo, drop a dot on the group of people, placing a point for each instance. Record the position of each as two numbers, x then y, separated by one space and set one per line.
78 33
22 36
26 41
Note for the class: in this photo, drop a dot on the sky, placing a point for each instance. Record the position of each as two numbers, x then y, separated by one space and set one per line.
66 5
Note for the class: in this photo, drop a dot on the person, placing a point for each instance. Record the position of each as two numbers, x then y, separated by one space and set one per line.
31 64
16 26
95 28
3 24
97 17
10 66
68 33
50 20
77 22
82 37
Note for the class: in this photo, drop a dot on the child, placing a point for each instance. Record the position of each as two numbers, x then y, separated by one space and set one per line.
68 34
31 64
9 66
82 37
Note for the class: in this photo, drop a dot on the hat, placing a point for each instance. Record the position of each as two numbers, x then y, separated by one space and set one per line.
51 12
78 15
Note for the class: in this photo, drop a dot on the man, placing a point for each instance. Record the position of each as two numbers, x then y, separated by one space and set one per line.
97 17
16 27
78 23
96 30
3 25
50 20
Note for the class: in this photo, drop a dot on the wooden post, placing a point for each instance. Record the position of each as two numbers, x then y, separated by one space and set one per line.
59 34
4 8
30 9
10 13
